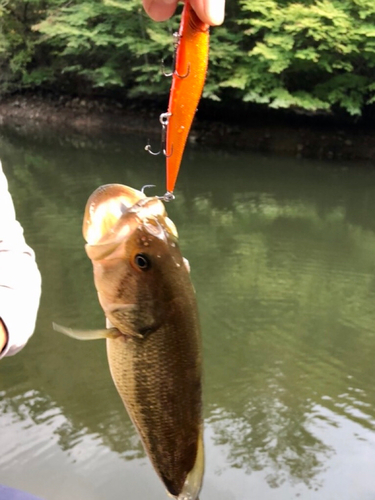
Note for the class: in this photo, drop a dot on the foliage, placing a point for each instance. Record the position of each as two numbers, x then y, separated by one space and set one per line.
106 43
316 55
18 42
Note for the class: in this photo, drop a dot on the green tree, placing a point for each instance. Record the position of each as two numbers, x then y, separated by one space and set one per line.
309 54
315 55
106 44
22 59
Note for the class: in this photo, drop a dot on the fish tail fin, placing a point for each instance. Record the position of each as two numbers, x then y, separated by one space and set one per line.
193 482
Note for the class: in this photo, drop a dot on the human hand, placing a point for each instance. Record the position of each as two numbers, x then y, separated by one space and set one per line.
3 336
208 11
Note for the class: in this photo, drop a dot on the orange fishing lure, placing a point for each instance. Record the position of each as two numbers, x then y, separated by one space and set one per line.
187 86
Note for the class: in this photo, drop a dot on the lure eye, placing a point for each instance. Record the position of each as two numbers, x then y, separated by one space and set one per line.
142 261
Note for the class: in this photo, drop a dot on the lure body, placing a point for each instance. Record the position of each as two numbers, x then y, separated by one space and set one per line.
187 86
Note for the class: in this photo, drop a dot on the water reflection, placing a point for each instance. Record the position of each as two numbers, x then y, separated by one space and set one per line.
282 256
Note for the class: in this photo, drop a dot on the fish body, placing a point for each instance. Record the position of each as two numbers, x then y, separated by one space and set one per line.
153 336
187 86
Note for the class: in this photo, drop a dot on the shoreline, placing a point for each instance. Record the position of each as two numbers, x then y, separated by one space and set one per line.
269 132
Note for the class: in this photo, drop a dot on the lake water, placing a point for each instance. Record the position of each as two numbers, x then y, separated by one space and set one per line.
282 253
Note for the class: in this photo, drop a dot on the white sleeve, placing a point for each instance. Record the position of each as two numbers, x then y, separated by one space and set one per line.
20 281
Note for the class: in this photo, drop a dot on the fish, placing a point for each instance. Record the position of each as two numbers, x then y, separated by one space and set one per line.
191 62
152 329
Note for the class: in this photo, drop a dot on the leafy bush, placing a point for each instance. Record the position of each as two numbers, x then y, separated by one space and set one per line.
309 54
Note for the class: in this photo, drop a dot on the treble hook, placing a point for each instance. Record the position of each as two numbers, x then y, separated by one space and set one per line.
176 41
168 196
164 120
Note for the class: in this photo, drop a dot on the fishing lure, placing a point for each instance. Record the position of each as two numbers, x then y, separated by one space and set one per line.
191 61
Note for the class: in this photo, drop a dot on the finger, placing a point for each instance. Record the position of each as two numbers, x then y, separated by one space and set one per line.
209 11
160 10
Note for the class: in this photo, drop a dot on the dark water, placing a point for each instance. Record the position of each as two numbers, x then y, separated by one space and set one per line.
283 260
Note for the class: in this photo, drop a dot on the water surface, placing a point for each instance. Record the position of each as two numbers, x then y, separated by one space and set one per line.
282 253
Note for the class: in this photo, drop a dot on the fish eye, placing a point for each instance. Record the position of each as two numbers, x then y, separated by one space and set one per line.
142 261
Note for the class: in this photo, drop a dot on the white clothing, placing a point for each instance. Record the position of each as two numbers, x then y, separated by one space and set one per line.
20 281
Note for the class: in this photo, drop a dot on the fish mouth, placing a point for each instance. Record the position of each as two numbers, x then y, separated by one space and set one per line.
106 205
154 219
114 211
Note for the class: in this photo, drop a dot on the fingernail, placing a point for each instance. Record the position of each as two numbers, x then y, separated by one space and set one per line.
160 10
215 11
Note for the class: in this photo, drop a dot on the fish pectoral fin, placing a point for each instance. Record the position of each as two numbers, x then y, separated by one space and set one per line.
105 333
134 320
187 264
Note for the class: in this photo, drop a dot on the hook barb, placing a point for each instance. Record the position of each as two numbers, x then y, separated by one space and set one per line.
166 154
148 149
164 73
185 75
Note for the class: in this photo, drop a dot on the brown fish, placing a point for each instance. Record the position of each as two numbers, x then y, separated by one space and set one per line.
153 335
